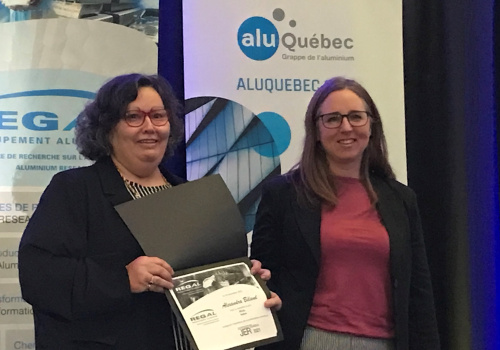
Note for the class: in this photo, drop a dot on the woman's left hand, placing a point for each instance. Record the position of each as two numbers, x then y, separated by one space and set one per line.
257 269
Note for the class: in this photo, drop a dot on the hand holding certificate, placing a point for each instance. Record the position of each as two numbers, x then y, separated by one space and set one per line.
197 228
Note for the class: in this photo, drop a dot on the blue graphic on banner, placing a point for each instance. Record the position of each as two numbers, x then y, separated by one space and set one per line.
223 137
258 38
279 129
52 92
37 119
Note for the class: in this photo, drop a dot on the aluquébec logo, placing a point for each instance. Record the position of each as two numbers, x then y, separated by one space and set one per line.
258 37
259 40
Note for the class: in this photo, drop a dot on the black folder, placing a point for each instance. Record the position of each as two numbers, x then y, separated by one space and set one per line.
189 225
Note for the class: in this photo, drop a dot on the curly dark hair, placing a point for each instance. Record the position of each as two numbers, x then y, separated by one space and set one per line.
95 123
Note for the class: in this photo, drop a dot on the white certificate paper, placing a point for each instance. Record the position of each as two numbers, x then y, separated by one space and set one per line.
222 307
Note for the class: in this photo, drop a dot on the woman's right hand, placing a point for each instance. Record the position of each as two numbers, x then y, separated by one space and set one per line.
147 273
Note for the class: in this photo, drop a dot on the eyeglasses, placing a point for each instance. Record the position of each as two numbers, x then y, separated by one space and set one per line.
136 117
334 120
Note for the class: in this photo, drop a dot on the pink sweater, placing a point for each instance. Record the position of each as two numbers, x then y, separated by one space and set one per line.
353 293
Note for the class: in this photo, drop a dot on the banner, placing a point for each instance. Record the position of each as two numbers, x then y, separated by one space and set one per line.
49 69
252 67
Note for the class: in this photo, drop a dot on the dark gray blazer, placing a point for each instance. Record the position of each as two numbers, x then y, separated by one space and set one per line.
72 259
286 239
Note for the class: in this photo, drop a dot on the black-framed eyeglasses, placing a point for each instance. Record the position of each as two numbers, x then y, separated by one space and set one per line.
136 117
334 120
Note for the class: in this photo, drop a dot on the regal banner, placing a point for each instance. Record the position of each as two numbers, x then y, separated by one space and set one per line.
49 69
251 68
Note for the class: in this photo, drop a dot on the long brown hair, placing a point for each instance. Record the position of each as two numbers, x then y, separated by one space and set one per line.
312 176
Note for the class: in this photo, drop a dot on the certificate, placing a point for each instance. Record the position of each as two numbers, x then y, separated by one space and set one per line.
197 228
221 306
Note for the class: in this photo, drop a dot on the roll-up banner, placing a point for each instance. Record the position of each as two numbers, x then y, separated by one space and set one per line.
54 55
251 68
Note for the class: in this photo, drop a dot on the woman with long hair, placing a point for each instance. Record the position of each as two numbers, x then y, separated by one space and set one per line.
343 238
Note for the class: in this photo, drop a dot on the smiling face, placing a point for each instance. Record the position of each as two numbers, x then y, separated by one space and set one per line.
143 146
344 146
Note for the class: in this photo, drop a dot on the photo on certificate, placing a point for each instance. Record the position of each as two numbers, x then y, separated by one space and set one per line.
221 306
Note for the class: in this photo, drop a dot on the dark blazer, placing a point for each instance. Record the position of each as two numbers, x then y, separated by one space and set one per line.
286 239
72 259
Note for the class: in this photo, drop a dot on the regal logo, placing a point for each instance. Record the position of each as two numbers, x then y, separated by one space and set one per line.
187 285
204 315
40 119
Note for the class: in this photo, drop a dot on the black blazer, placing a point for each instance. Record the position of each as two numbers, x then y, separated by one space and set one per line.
72 259
286 239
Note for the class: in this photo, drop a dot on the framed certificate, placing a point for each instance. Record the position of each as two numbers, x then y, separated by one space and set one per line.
197 228
221 306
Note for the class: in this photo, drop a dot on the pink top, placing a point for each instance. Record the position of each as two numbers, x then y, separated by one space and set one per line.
353 291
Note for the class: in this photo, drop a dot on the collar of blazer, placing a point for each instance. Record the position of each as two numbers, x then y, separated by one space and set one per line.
111 182
309 221
394 216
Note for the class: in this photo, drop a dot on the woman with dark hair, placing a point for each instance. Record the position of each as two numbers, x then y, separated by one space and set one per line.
98 119
89 282
343 238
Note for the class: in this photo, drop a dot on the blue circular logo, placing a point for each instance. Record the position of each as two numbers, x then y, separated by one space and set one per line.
280 132
258 38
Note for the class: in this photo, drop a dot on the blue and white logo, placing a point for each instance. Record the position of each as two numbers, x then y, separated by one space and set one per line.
258 38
